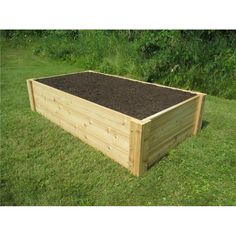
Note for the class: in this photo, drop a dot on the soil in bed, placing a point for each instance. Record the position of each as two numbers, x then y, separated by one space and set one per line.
132 98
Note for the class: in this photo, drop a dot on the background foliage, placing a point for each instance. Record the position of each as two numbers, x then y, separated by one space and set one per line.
202 60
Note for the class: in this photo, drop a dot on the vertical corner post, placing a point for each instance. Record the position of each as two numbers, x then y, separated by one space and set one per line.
138 154
199 112
31 94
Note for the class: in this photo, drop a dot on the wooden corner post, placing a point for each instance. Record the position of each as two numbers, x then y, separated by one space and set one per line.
138 152
199 112
31 94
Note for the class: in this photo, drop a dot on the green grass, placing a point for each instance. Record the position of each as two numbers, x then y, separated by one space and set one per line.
43 165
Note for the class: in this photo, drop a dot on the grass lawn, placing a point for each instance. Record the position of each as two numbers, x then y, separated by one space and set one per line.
43 165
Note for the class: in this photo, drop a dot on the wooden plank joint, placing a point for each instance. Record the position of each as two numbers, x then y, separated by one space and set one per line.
138 147
199 112
31 94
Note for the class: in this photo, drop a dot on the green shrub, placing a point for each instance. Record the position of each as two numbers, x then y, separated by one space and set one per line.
202 60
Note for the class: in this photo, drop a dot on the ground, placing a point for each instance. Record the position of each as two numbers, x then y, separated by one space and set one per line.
43 165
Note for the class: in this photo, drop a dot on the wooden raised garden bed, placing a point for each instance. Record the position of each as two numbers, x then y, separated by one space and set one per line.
134 123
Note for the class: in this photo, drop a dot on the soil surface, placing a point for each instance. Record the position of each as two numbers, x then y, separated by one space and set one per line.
132 98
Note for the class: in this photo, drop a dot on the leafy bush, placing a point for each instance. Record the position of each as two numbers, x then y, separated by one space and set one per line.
202 60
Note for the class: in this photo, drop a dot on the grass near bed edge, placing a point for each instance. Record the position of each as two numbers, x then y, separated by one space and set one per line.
43 165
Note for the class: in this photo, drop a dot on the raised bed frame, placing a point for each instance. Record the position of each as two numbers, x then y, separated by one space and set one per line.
135 144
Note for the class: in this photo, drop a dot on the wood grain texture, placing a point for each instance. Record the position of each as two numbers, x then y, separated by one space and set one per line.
162 149
199 113
139 147
135 147
31 94
81 121
170 128
105 131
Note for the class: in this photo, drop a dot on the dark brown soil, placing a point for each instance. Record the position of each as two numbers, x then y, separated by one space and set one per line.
129 97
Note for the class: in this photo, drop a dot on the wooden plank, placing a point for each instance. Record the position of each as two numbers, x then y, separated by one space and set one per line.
169 128
145 146
176 113
135 147
171 125
138 148
158 140
199 112
172 108
85 123
31 94
116 146
84 113
157 154
97 143
90 120
158 144
58 75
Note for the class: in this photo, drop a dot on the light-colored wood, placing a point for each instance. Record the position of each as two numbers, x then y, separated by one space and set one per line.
80 121
145 146
139 147
175 114
135 147
170 109
59 75
114 126
199 112
168 131
157 154
31 94
170 128
135 144
97 143
159 143
87 121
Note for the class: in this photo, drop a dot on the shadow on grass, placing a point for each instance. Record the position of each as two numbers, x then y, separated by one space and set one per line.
205 123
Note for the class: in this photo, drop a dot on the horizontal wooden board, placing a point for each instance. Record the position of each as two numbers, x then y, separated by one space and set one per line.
90 124
97 143
170 128
158 144
177 112
161 142
166 146
164 131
